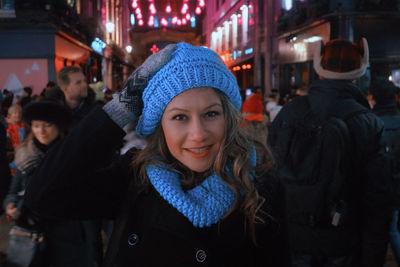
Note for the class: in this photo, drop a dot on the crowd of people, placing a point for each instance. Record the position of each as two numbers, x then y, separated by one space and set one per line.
209 178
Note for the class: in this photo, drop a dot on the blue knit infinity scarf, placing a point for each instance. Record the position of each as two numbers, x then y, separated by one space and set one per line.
204 204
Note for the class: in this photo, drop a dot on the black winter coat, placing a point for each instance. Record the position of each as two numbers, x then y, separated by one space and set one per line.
367 228
148 231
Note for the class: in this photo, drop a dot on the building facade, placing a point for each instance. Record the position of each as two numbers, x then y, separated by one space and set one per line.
39 37
303 23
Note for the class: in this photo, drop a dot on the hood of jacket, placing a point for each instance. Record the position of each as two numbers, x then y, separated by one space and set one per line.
27 155
323 92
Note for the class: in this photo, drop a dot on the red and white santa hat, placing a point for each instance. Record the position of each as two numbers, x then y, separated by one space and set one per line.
341 59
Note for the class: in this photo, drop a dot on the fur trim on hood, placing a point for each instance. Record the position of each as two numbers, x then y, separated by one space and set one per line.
27 155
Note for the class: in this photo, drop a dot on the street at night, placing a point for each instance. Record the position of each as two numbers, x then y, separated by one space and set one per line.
199 132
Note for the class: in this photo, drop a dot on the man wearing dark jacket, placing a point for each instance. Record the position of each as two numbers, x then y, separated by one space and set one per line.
382 97
359 237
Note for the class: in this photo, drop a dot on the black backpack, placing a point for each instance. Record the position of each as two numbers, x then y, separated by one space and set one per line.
313 154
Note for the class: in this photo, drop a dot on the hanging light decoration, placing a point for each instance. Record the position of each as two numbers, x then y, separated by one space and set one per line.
152 9
168 9
185 7
170 16
202 3
198 10
151 21
164 22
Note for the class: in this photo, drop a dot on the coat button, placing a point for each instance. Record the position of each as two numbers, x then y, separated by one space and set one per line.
201 255
133 239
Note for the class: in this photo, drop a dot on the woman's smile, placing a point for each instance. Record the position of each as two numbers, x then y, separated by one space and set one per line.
199 152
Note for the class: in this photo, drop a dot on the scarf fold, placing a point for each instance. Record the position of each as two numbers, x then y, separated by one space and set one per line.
203 205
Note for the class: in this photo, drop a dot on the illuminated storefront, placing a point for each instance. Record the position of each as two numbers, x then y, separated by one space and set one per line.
233 39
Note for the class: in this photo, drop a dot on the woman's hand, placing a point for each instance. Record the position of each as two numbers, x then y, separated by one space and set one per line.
128 105
12 211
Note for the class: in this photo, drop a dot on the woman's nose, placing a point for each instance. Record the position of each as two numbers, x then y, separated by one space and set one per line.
198 131
42 130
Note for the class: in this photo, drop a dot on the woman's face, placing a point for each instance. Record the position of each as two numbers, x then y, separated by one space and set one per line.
45 132
193 124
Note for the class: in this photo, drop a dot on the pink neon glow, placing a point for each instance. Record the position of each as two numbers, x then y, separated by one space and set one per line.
198 10
168 9
187 16
139 16
201 3
138 11
141 22
134 4
174 20
179 22
184 21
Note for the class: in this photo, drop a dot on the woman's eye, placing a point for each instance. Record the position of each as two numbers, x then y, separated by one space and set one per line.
179 117
212 114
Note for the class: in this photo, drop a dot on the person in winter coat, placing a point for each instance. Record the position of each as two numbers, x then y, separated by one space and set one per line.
196 195
353 228
382 95
49 121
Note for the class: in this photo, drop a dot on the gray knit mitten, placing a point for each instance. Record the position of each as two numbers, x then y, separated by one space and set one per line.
127 106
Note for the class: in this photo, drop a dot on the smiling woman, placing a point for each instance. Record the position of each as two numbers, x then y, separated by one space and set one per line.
197 194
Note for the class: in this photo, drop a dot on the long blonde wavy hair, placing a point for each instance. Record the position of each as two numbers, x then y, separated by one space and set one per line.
235 153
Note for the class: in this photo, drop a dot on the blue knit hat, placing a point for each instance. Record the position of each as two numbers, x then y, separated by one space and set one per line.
188 67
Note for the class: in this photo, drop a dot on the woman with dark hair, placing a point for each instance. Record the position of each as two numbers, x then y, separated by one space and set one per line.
197 194
48 121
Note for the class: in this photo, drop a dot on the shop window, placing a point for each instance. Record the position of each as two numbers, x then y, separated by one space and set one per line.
7 9
7 4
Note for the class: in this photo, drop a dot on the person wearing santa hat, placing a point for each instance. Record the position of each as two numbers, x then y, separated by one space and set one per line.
354 232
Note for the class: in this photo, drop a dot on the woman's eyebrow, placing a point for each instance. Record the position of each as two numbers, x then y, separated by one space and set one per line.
184 109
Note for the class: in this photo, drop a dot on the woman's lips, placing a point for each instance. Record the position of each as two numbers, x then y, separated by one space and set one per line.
199 152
